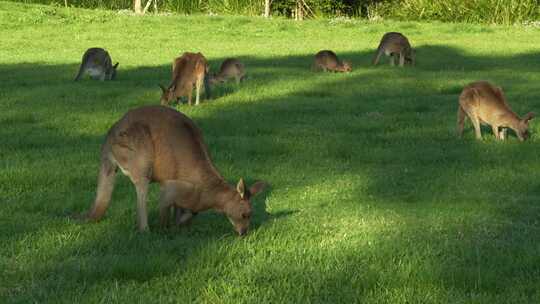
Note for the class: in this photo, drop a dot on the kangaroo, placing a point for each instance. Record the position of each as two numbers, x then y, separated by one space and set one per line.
159 144
485 103
395 45
328 61
98 64
189 70
230 68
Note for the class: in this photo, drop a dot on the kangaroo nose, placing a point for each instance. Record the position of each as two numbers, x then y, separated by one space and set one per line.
242 231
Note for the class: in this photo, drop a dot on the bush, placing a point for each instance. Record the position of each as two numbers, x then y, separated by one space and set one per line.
473 11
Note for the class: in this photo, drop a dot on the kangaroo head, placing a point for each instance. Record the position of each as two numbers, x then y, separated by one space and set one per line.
166 94
523 126
237 208
112 72
347 66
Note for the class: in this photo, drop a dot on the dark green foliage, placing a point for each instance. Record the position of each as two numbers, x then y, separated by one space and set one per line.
108 4
474 11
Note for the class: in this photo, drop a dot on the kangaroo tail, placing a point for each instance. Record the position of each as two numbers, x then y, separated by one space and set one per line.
461 115
80 73
378 54
107 174
81 68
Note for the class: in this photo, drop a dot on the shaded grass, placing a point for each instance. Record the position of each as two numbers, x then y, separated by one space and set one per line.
372 197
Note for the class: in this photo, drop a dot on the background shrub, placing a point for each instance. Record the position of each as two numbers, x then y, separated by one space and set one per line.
472 11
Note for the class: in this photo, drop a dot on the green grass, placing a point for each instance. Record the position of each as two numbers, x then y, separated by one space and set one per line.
372 200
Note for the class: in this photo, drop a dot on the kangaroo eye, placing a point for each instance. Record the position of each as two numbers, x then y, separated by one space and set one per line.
245 215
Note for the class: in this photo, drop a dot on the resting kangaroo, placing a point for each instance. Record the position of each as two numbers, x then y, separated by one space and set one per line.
485 103
159 144
328 61
230 68
189 70
98 64
395 45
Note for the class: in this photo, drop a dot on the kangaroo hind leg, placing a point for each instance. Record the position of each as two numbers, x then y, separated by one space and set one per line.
133 150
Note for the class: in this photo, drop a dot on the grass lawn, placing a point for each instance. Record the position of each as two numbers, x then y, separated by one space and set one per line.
373 199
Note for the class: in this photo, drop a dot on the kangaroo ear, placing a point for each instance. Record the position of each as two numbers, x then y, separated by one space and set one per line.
241 188
116 65
162 88
257 187
499 92
528 116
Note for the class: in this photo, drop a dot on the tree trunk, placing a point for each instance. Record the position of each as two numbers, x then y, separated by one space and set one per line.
147 6
299 10
267 8
137 6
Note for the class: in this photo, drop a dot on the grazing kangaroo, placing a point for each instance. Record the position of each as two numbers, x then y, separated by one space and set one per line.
159 144
485 103
395 45
230 68
328 61
98 64
189 70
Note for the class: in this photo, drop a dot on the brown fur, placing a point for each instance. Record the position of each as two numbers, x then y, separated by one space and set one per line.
397 46
159 144
485 103
189 71
328 61
230 68
98 64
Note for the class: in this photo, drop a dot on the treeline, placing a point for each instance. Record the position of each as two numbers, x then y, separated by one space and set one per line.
474 11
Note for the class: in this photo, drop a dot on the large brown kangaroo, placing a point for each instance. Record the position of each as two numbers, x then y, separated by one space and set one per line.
159 144
189 70
485 103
